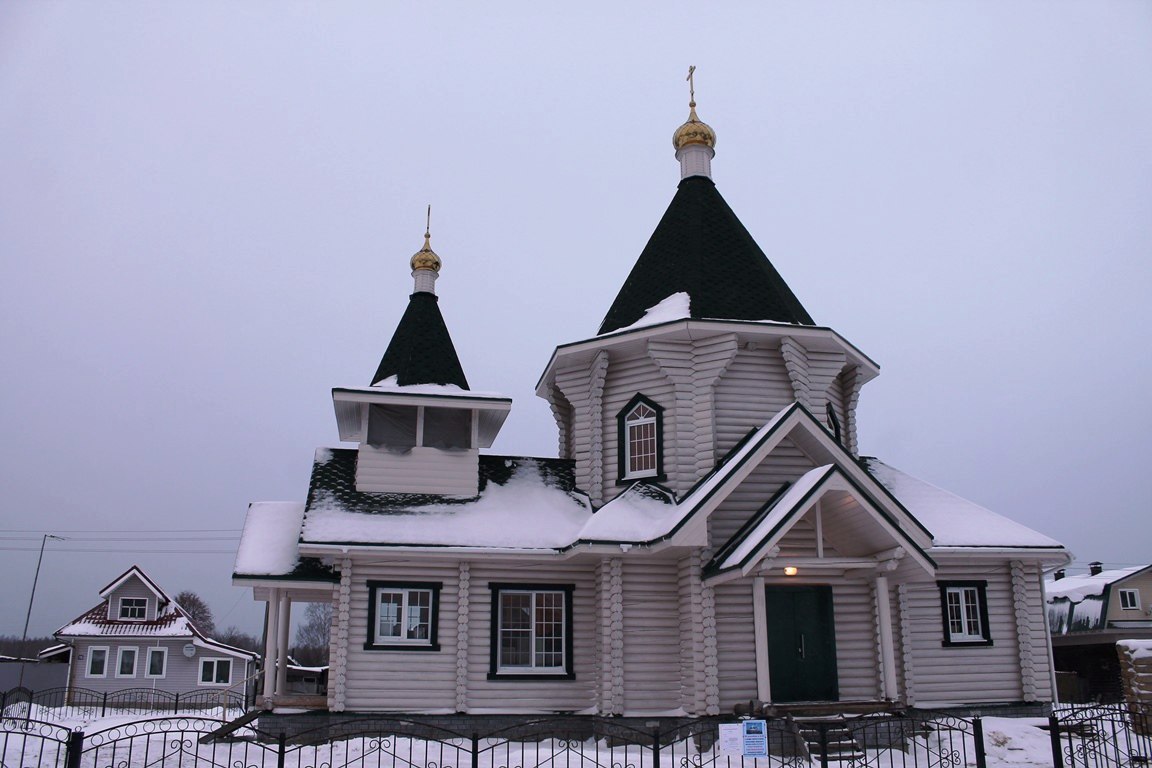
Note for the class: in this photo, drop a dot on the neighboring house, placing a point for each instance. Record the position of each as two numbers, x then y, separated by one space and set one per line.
1087 615
138 637
709 534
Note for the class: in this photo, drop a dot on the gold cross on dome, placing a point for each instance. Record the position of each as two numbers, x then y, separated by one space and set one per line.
691 85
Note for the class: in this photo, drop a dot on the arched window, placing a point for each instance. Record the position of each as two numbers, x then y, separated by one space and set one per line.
641 434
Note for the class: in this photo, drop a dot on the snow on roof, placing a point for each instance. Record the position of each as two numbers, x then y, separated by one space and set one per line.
443 390
95 623
678 306
1076 588
954 521
269 544
637 514
523 512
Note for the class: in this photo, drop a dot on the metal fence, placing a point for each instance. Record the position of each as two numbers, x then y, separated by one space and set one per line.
72 703
1100 737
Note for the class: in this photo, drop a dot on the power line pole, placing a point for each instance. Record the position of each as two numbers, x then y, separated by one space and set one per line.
31 598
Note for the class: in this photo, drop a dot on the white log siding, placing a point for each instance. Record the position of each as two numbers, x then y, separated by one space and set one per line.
785 464
562 414
338 650
532 696
693 367
692 672
132 587
651 637
418 470
609 656
410 681
582 388
627 378
857 649
735 644
851 382
754 388
959 674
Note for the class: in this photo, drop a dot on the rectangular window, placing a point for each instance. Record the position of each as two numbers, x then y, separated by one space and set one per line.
126 662
1130 599
215 671
964 606
531 631
157 662
97 662
402 616
133 608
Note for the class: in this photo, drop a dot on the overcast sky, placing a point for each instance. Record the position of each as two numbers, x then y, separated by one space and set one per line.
207 211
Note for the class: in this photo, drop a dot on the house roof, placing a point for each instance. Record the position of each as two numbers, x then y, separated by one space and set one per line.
953 520
522 503
1076 588
270 545
700 248
171 622
421 350
138 573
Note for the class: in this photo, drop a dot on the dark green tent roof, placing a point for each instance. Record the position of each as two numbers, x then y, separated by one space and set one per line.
421 350
701 248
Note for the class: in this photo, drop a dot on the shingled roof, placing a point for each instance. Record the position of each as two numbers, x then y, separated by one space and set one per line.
421 350
701 248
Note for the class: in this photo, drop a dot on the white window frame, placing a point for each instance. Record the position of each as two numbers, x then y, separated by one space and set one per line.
144 609
215 660
88 663
120 651
643 422
502 669
406 590
971 600
1129 599
163 652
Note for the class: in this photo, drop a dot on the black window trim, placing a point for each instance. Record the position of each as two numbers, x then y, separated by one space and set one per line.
495 588
981 588
622 441
433 643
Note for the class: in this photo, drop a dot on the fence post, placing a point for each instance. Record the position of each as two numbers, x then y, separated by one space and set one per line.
978 739
74 750
281 749
475 750
656 747
104 705
823 744
1054 735
176 704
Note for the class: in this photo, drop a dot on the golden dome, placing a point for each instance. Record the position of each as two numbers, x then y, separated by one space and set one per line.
425 258
694 131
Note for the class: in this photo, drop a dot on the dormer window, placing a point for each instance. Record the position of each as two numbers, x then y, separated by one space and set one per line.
133 608
641 434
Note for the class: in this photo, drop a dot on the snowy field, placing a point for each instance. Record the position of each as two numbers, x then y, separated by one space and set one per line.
135 741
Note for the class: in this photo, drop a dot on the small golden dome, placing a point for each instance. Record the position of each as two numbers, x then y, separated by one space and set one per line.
694 131
425 258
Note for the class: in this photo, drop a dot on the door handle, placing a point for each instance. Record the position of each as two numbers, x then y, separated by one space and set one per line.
802 648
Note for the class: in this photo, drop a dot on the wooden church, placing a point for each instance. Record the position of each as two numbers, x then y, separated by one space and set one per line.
708 535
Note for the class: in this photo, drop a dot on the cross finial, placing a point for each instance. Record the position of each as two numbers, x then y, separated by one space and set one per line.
691 86
428 223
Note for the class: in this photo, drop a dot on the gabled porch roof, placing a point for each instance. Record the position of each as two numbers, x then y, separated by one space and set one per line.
871 538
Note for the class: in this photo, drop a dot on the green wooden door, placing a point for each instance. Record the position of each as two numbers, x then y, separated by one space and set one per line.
801 644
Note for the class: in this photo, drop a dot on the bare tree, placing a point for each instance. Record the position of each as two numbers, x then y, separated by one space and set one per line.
198 612
236 638
313 634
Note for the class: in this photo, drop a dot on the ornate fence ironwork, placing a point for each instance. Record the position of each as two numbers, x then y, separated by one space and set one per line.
70 703
1098 737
